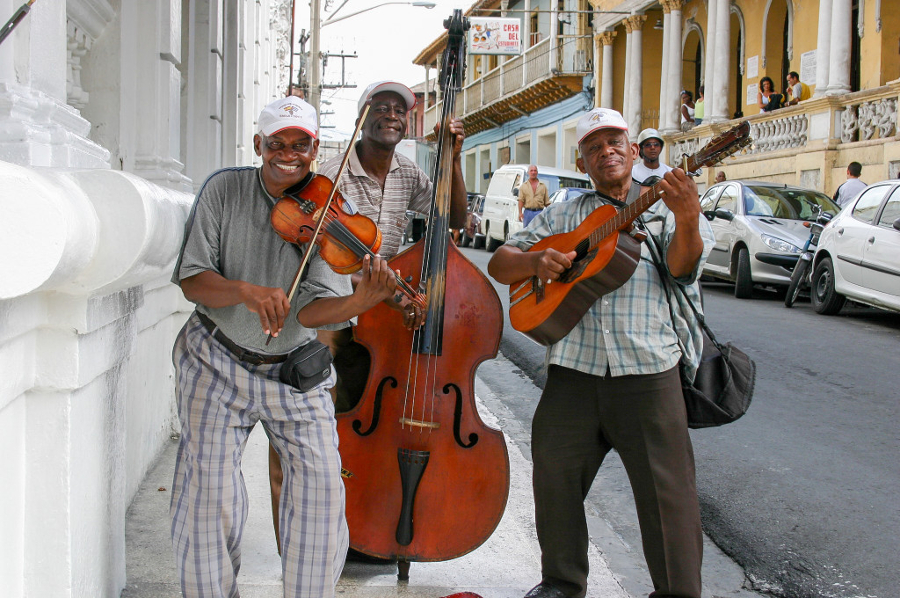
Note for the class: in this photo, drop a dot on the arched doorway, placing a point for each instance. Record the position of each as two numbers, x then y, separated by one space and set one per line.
777 41
692 57
736 70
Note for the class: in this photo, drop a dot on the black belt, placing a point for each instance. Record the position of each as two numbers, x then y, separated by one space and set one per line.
239 352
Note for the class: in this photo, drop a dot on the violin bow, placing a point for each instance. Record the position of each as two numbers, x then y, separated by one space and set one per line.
312 241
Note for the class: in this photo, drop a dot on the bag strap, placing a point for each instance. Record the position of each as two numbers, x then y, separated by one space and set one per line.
666 278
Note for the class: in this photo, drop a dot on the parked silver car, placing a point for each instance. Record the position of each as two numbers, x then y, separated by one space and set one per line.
858 255
759 231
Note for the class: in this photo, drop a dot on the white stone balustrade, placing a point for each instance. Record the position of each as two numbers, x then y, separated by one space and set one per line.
87 321
779 133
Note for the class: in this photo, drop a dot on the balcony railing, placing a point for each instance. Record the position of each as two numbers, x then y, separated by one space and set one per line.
863 116
843 122
539 62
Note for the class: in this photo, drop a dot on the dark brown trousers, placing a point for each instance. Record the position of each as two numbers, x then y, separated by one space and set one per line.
578 420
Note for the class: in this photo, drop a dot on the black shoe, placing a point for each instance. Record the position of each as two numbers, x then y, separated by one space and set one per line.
355 556
545 590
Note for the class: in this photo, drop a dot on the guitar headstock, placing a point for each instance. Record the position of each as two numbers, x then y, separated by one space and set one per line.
720 147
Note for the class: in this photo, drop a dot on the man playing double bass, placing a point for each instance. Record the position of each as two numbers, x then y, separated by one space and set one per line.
234 267
383 185
613 381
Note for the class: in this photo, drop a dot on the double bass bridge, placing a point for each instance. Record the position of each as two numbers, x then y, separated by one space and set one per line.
405 421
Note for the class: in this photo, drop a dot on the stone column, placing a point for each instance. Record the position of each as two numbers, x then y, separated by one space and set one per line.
823 48
723 61
674 68
839 56
629 57
635 88
156 141
526 40
664 69
709 61
606 94
427 88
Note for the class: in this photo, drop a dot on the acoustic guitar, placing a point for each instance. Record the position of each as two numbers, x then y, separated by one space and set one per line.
607 248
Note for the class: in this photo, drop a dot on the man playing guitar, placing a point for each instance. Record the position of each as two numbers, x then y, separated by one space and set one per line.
613 380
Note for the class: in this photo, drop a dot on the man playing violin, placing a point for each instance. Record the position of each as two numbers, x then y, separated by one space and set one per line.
613 382
233 266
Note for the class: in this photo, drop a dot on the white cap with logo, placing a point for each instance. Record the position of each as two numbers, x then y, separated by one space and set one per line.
599 118
379 86
288 113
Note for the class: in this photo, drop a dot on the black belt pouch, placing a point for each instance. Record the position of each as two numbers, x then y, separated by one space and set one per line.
306 367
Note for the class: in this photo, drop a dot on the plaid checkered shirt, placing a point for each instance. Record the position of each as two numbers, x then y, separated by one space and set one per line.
629 331
406 188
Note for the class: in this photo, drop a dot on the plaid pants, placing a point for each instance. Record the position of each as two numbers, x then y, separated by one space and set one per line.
219 400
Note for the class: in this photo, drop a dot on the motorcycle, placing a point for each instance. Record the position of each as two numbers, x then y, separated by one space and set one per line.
800 277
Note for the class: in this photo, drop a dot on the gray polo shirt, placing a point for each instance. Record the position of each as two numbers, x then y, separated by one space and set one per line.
229 232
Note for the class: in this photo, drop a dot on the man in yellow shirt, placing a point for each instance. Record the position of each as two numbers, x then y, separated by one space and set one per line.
533 196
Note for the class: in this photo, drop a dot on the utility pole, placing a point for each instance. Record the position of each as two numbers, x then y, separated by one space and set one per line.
315 73
303 66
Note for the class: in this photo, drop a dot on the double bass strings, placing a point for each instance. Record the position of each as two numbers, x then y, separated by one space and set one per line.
435 293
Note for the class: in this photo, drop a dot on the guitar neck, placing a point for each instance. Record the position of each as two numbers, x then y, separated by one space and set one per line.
630 212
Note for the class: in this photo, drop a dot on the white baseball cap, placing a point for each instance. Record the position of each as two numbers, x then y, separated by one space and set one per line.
288 113
379 86
599 118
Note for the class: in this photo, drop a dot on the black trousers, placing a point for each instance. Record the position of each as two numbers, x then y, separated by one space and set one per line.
578 420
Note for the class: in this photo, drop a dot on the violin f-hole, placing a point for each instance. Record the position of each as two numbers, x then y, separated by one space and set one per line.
457 418
376 408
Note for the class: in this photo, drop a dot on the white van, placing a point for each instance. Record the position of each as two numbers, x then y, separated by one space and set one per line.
501 202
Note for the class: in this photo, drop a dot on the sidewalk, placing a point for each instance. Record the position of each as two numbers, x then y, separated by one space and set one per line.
506 566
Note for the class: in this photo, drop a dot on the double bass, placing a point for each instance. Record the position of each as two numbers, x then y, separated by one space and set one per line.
426 479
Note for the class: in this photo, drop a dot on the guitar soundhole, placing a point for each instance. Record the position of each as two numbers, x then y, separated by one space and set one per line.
578 267
581 249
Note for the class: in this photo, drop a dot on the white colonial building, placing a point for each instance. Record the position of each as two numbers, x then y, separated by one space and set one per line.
112 113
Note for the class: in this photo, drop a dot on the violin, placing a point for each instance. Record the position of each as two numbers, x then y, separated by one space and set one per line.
346 236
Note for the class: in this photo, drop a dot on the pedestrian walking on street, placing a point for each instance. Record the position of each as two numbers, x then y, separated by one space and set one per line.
613 382
234 266
533 196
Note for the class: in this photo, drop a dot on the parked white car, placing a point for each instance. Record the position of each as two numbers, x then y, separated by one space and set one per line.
501 202
858 256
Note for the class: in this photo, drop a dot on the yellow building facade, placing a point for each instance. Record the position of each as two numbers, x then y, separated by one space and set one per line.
844 50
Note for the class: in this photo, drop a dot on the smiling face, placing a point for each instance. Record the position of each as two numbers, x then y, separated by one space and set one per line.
766 85
386 123
286 157
607 157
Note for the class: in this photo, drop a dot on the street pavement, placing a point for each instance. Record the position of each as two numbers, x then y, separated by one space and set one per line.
507 565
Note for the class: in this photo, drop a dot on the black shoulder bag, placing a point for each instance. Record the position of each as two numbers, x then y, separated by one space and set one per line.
723 386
